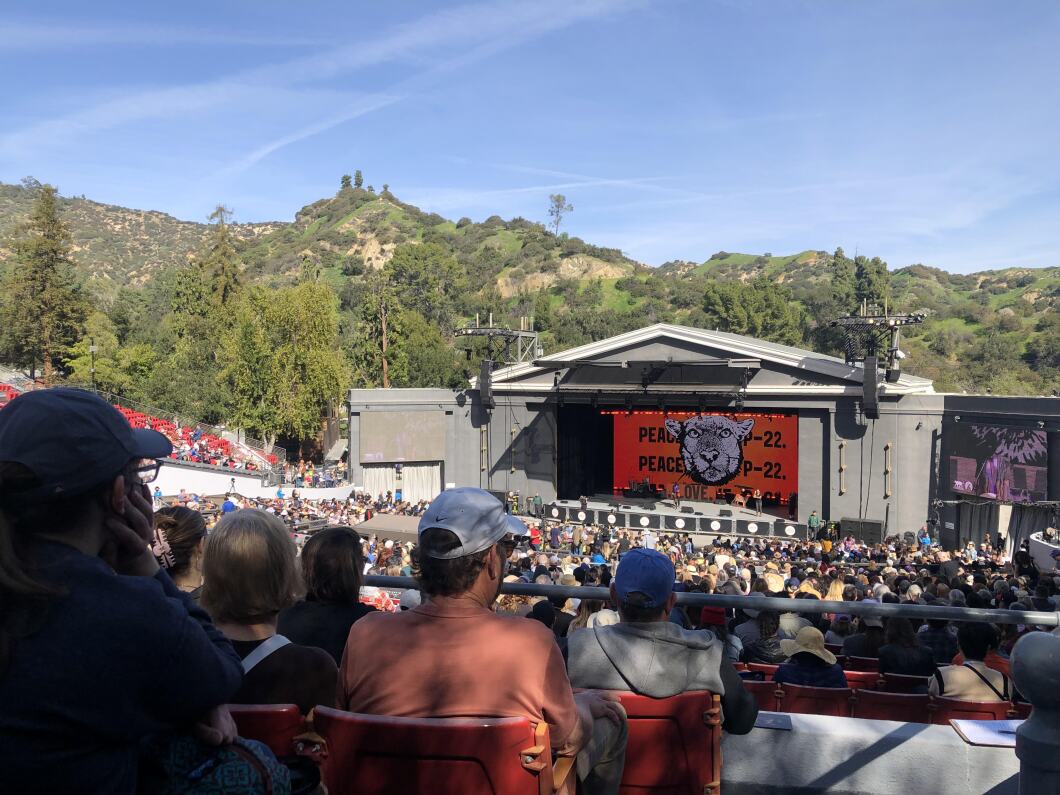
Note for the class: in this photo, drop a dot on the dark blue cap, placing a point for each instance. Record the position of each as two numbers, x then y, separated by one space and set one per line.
645 571
72 440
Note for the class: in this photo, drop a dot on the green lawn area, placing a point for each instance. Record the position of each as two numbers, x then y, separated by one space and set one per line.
617 300
505 240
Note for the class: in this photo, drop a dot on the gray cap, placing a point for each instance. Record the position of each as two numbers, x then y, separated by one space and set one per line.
474 516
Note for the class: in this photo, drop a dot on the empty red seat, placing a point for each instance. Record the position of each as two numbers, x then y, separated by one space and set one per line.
276 725
379 755
765 694
900 683
674 745
861 664
877 705
862 680
805 700
943 709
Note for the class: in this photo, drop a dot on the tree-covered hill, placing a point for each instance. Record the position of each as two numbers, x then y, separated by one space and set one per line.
424 275
115 243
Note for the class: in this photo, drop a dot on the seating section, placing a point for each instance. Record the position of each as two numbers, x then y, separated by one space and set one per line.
805 700
943 709
674 745
899 683
375 755
276 725
189 442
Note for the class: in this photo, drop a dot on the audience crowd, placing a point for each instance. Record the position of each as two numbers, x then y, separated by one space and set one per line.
126 626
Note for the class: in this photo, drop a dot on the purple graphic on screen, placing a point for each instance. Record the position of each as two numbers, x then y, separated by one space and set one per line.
999 462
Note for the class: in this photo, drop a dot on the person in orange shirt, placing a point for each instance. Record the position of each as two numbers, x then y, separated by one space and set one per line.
453 656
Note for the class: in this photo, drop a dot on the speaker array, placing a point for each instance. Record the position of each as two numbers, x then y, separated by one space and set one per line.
629 518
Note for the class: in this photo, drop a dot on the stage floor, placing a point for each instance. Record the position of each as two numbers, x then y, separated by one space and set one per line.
667 508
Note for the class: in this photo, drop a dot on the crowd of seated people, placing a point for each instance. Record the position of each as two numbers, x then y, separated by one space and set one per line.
103 644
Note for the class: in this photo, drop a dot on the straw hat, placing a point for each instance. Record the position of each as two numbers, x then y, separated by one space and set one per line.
809 640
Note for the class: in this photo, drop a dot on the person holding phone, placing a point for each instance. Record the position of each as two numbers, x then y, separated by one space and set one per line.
98 648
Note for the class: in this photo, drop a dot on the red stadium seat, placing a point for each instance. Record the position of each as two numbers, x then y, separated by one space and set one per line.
943 709
674 745
835 648
1020 710
861 664
379 755
805 700
768 670
765 694
900 683
276 725
906 707
862 680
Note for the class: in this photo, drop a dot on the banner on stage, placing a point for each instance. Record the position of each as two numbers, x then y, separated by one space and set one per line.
710 454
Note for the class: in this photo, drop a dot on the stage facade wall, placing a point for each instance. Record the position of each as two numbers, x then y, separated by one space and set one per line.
849 467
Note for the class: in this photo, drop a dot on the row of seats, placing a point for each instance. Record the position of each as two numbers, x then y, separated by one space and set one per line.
856 702
674 748
865 680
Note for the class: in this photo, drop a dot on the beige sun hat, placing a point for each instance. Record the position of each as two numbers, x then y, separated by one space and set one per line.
810 640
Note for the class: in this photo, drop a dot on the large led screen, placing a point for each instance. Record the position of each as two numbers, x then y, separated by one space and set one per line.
389 437
998 462
708 455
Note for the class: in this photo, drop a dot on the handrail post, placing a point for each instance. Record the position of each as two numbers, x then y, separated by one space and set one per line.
1036 672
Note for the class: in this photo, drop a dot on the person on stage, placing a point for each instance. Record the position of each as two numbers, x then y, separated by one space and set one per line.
757 499
677 495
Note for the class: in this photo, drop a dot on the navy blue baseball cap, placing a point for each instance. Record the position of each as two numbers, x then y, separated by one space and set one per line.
645 571
474 516
72 440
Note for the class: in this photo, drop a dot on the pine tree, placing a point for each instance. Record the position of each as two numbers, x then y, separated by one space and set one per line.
358 179
346 182
221 262
43 310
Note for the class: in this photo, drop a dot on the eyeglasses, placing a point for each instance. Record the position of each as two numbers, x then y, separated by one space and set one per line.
147 471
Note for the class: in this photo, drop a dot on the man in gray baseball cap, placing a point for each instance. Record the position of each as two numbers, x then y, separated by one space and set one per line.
454 656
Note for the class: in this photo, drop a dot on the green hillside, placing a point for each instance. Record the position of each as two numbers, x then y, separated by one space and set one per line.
117 244
995 330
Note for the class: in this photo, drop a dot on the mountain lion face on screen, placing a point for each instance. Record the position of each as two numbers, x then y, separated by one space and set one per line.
710 446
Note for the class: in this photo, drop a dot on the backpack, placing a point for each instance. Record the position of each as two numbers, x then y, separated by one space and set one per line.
182 765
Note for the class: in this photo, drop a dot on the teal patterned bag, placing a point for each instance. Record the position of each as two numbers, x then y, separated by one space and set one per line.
182 765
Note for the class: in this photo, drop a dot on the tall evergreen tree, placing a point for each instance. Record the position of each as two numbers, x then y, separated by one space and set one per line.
43 309
221 262
760 309
873 280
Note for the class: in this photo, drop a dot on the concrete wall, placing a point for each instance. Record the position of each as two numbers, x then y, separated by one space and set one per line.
846 756
195 479
177 475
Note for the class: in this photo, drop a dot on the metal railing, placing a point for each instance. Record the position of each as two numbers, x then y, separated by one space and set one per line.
883 610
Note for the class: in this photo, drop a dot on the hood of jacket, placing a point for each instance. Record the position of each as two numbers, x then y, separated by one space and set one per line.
655 660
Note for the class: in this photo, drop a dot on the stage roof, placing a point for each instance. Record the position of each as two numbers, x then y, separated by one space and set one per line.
670 358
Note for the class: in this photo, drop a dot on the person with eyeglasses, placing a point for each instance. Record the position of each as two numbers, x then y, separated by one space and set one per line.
453 656
98 648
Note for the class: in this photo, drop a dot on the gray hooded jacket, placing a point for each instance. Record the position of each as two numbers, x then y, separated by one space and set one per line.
657 659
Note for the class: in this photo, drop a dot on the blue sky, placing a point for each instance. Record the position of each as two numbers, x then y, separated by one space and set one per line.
917 131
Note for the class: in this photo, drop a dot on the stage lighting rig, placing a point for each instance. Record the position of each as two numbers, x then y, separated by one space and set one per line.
870 336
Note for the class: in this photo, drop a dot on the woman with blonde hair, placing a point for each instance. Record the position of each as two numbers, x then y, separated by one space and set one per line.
585 611
250 575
